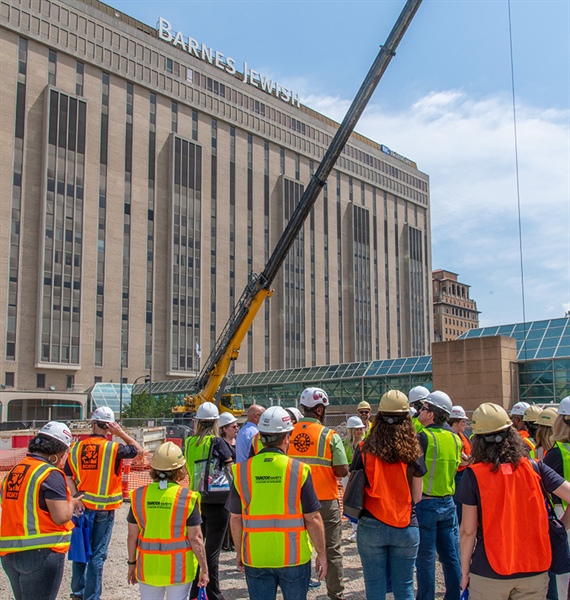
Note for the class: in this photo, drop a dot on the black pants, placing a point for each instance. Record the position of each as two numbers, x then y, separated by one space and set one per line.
215 519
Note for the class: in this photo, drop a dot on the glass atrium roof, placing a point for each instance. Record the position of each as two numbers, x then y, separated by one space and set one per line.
109 394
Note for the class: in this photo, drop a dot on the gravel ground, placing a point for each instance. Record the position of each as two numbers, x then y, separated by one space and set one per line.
115 585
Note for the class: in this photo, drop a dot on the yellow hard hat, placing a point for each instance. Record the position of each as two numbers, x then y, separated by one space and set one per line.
168 457
547 417
363 406
394 401
532 413
489 418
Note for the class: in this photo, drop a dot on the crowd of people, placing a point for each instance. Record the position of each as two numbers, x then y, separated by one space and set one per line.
477 504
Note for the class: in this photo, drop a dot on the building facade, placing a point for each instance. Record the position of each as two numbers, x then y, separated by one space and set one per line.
146 175
454 312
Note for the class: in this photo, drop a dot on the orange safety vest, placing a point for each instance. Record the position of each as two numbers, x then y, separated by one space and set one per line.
311 444
514 518
92 462
387 495
24 525
466 448
527 439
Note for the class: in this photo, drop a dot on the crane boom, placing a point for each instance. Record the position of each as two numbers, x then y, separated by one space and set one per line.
258 287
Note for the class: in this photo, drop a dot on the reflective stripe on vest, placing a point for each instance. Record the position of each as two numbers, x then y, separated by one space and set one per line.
466 448
24 525
256 443
311 444
564 448
92 463
273 528
443 455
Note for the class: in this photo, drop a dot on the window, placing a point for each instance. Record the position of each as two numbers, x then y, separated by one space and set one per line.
98 379
70 382
40 381
9 379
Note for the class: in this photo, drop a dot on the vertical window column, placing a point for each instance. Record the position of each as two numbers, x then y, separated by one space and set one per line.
266 248
213 230
250 238
339 268
387 275
327 274
313 277
150 235
376 282
232 256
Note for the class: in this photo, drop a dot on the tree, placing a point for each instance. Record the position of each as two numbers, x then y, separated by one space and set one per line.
143 406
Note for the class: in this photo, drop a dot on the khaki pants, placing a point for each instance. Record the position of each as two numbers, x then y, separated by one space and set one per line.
522 588
330 512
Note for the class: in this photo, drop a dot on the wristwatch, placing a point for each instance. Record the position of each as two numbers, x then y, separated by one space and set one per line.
131 562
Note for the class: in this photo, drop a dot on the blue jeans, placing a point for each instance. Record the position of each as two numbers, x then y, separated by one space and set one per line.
87 578
439 533
382 547
34 574
293 581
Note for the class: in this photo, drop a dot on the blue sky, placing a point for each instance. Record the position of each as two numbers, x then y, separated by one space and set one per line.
446 103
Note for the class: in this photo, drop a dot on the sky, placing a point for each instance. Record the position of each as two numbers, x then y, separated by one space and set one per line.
445 102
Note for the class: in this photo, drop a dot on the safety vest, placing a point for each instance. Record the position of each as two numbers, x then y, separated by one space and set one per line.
349 450
165 556
387 495
274 533
513 518
417 425
311 443
443 455
466 447
564 448
24 525
196 453
92 463
527 440
256 443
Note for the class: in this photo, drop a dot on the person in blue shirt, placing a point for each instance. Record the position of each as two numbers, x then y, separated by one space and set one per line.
246 433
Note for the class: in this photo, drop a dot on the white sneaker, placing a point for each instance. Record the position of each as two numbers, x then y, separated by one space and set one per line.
352 537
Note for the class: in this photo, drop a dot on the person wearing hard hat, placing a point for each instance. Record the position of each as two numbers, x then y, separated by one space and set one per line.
275 516
164 542
416 397
208 459
321 448
543 434
458 423
558 459
530 418
228 428
354 434
504 512
517 415
37 506
439 532
248 430
364 410
256 444
94 466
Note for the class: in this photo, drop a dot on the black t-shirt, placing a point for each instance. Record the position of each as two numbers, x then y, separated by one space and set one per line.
468 493
554 460
53 487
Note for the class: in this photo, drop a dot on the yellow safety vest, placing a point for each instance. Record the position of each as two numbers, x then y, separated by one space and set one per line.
165 556
274 533
443 455
565 453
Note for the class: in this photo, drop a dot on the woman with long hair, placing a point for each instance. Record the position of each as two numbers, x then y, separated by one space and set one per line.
504 539
354 434
543 436
388 535
229 428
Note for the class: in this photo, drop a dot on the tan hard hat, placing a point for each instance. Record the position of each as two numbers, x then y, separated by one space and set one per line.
168 457
547 417
363 406
394 401
532 413
489 418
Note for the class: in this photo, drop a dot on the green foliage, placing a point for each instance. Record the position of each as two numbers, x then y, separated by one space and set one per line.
143 406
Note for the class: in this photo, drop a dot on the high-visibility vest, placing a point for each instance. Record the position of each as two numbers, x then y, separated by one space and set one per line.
564 448
387 495
443 455
256 443
92 462
24 525
195 451
417 425
513 518
527 440
466 447
311 444
349 449
164 554
274 533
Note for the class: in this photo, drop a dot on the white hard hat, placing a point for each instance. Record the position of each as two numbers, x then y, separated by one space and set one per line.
275 420
295 413
441 400
57 431
354 423
104 414
207 411
564 408
314 396
418 393
519 408
226 418
457 412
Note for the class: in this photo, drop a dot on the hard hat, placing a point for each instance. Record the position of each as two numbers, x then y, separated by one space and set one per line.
295 413
168 457
457 412
226 418
313 397
275 420
564 408
441 400
103 414
532 413
418 393
363 406
489 418
394 401
354 423
547 417
57 431
207 412
519 408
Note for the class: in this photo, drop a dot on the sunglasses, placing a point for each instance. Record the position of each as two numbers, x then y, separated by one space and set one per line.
364 412
426 408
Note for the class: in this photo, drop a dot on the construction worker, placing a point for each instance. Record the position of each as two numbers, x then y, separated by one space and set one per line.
256 444
321 448
248 430
543 434
436 512
363 409
530 418
516 415
458 423
94 466
355 430
416 397
35 530
164 541
505 543
275 516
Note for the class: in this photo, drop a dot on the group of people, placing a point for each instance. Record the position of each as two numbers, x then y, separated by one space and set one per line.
477 504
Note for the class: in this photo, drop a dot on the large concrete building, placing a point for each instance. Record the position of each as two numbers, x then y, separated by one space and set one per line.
144 175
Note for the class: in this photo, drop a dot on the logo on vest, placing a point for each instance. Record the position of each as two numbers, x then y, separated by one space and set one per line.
268 479
302 442
14 482
90 457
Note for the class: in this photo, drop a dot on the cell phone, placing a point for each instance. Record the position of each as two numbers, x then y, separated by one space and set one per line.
79 494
